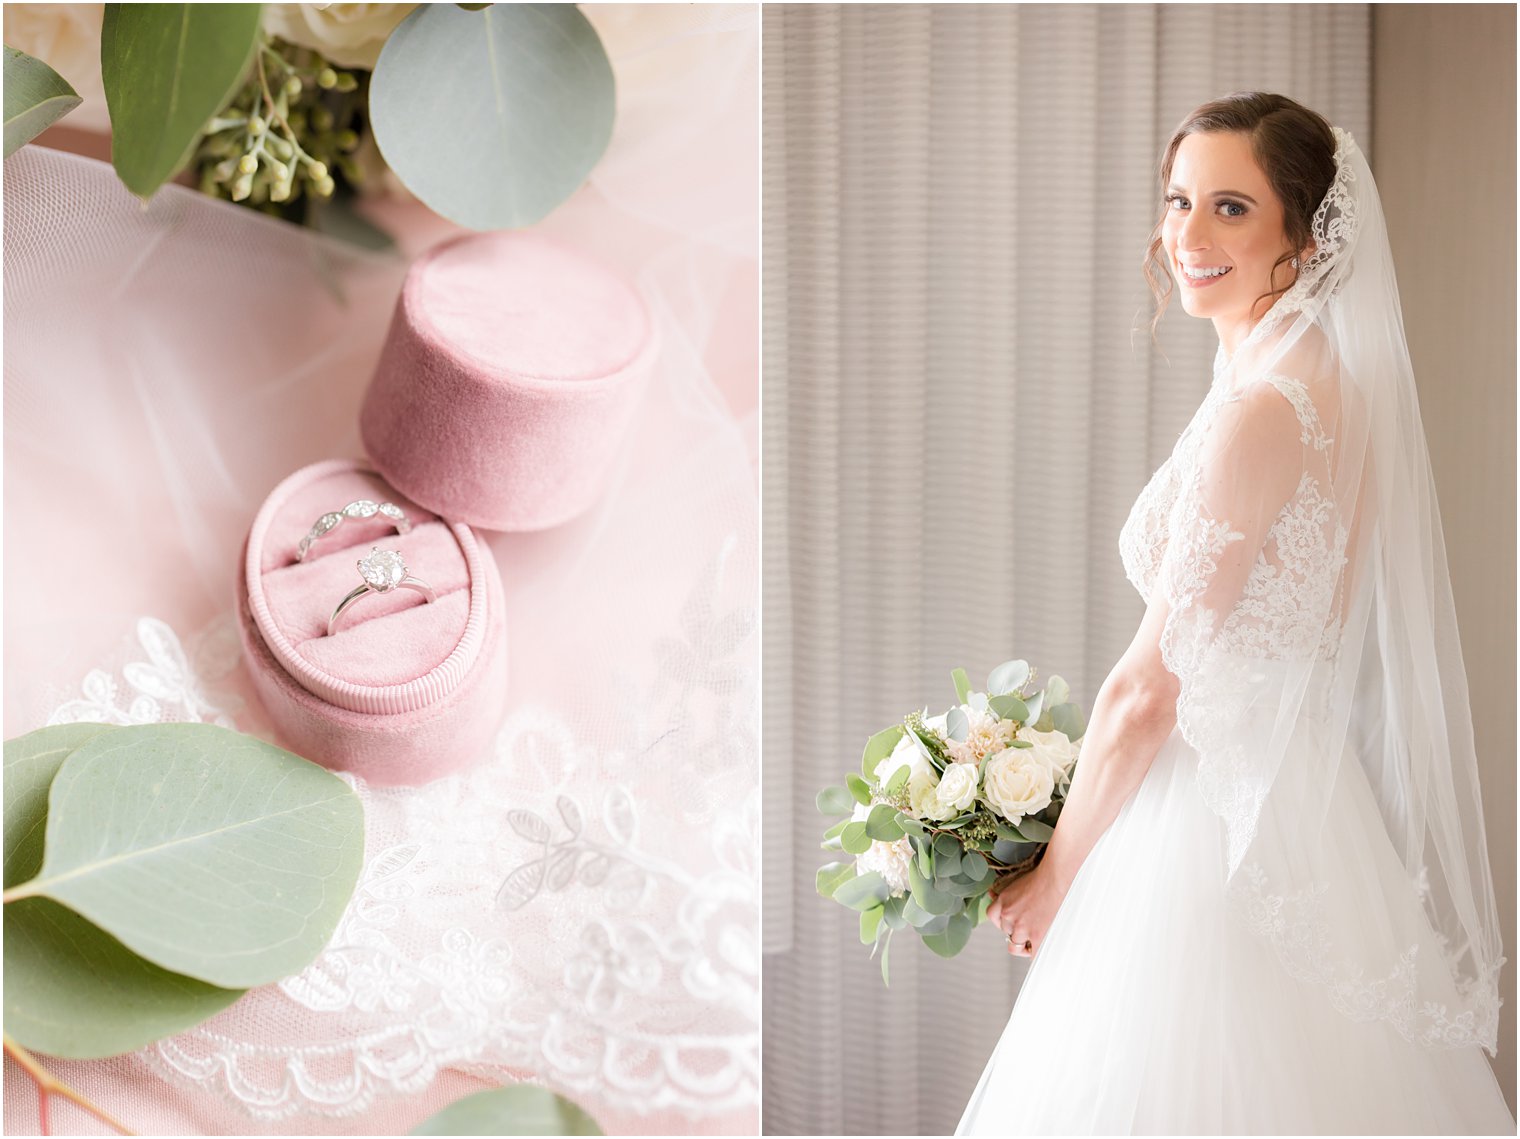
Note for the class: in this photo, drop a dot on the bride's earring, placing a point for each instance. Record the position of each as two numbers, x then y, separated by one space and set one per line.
1295 262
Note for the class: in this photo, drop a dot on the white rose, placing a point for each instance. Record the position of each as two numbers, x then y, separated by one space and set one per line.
1054 750
922 778
954 793
66 37
1016 786
350 35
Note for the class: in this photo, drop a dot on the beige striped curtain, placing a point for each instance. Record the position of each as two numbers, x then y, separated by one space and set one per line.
961 402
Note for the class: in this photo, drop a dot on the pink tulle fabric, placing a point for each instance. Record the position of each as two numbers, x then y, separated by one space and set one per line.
577 904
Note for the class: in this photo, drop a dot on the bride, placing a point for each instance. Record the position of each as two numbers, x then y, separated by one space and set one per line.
1267 906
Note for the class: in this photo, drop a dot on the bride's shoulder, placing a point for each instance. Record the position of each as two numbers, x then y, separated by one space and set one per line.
1297 386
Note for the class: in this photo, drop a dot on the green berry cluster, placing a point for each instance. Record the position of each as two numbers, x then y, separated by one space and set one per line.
288 134
982 827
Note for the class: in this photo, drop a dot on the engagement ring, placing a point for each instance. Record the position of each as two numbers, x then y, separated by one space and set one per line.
363 508
382 571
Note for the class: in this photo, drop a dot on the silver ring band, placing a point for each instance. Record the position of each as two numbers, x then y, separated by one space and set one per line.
383 571
358 509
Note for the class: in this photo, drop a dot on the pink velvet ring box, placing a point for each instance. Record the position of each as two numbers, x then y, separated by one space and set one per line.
510 375
404 690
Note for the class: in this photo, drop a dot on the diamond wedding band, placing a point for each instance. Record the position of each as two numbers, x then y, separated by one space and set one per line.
362 508
382 571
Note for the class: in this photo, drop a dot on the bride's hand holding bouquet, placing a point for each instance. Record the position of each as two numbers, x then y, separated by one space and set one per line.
947 807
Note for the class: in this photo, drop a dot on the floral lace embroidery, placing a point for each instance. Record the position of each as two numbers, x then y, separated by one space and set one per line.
656 1008
1295 926
1287 611
1297 393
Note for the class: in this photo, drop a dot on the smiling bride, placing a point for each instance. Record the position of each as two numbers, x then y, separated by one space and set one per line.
1267 906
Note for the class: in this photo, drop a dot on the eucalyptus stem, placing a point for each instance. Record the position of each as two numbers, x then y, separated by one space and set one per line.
49 1085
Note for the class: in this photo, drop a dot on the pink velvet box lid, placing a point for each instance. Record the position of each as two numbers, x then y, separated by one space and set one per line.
511 371
404 690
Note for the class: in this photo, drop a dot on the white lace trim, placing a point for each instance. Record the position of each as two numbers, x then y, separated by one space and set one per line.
658 1007
1295 925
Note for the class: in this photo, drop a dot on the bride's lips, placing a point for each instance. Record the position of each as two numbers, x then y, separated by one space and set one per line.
1202 283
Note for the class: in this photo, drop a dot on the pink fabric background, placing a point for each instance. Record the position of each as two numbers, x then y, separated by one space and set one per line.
149 411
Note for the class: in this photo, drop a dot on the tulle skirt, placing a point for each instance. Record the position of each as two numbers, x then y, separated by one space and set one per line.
1151 1009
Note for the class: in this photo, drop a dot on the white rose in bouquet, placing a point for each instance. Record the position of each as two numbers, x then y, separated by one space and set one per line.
921 775
1055 751
954 794
1016 784
350 35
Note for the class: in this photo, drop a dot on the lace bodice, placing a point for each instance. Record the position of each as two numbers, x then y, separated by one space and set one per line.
1282 609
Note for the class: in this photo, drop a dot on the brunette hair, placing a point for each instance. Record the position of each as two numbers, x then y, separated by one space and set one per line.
1295 149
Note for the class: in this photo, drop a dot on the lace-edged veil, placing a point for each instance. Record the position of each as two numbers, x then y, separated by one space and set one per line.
1312 628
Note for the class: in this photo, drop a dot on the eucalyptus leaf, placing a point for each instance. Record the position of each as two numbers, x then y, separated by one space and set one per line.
521 1110
953 939
1009 851
881 823
167 68
830 877
878 747
914 914
1007 677
1068 721
892 912
1009 707
1020 744
870 922
36 97
1035 831
854 839
898 780
925 894
957 725
859 789
962 684
74 991
492 118
936 924
835 801
885 948
862 892
836 830
973 865
1033 707
208 852
31 762
910 825
1057 691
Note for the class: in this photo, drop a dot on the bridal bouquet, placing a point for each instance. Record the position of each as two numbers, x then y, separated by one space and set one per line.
946 805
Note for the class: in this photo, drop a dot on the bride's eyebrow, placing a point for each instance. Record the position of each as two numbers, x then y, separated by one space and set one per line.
1176 189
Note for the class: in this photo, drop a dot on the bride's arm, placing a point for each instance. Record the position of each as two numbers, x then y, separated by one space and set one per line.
1133 713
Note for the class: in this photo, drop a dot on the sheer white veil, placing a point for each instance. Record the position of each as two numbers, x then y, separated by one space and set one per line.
1313 631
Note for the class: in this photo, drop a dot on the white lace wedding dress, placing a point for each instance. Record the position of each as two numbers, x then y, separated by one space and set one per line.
1167 998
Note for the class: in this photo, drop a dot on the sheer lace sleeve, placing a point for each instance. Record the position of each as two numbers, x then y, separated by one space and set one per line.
1250 575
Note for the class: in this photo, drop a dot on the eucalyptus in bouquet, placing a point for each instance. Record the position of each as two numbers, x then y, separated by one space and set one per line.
947 806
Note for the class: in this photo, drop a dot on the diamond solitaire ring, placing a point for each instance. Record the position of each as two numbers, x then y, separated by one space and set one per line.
382 571
363 508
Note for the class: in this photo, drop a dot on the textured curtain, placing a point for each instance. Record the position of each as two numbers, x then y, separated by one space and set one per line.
961 402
